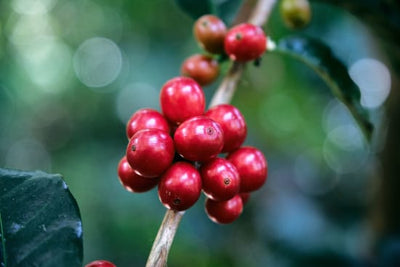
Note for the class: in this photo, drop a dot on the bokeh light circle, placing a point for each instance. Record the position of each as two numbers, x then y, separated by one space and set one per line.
373 79
345 150
97 62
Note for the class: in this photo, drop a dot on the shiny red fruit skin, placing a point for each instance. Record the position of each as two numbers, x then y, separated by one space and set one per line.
100 263
199 139
245 42
201 68
232 123
180 186
252 167
210 32
220 179
182 98
146 118
132 181
150 152
224 212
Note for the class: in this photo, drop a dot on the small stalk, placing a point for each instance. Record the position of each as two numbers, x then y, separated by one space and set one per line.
161 245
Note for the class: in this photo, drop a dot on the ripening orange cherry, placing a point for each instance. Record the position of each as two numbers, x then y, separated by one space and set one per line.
210 32
201 68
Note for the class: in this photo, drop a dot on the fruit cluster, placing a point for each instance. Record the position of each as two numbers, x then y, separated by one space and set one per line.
178 151
243 42
182 150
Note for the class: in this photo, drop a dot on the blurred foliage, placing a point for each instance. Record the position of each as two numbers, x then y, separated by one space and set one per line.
226 10
319 57
72 72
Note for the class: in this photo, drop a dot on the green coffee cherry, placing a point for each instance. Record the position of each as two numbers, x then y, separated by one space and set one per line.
295 13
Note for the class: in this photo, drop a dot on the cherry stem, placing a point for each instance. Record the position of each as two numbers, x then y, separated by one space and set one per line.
162 244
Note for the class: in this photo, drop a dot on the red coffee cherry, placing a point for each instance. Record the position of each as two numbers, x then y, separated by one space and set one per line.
245 197
132 181
100 263
232 123
245 42
252 167
180 186
182 98
210 32
199 139
150 152
203 69
146 118
224 211
220 179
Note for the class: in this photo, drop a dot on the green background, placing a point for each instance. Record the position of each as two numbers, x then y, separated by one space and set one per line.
72 72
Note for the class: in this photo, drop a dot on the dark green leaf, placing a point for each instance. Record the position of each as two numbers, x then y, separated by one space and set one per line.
382 16
320 58
224 9
39 221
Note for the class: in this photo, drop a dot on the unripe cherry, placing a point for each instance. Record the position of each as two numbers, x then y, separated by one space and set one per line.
210 32
252 167
100 263
220 179
146 118
224 212
245 42
180 186
150 152
132 181
199 139
295 13
232 123
182 98
201 68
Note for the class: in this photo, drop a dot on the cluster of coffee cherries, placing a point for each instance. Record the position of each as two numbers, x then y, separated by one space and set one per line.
187 150
243 42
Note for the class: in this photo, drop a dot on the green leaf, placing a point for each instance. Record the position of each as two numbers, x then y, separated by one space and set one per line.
40 223
224 9
320 58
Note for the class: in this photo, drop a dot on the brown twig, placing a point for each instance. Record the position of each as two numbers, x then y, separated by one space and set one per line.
161 245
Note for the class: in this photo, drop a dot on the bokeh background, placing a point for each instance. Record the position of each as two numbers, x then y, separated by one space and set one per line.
72 73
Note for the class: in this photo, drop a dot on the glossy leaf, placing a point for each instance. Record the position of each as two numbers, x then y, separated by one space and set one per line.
40 223
320 58
226 10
